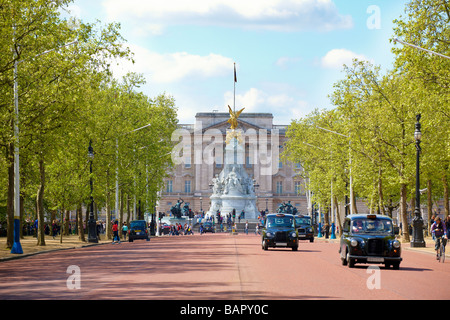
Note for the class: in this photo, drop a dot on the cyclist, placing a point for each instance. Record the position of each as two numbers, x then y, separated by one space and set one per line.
439 231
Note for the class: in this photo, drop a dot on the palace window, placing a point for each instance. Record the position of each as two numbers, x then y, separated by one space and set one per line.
187 186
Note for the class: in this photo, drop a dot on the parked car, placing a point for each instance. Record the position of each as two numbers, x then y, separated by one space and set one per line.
138 230
369 238
280 232
304 228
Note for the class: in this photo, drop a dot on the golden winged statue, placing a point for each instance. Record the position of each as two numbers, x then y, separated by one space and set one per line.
233 117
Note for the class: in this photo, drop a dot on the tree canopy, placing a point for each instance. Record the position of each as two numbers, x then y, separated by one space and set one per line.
374 115
68 97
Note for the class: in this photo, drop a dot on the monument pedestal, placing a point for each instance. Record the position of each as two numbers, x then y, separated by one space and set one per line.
233 188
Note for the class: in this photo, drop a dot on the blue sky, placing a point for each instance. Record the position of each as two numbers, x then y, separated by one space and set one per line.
288 53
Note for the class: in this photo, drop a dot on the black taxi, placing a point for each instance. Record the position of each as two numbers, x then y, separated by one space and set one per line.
279 231
369 238
304 228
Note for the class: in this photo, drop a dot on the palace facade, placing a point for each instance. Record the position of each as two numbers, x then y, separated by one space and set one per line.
275 181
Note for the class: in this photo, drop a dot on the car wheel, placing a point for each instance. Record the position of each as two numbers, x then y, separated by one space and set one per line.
343 260
396 265
264 245
130 240
350 262
295 248
311 240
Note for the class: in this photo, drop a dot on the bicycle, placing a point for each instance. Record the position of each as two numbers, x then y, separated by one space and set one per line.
441 253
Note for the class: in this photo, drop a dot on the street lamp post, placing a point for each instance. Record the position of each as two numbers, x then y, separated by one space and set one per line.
92 224
418 240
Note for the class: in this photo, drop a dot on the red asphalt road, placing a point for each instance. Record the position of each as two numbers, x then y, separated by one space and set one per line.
217 266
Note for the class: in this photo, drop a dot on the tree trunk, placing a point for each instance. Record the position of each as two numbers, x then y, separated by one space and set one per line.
66 222
62 224
404 213
380 192
128 210
429 204
80 224
22 211
40 205
446 200
121 209
338 215
355 208
108 209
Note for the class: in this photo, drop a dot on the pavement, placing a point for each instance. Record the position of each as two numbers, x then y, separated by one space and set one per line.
71 242
29 246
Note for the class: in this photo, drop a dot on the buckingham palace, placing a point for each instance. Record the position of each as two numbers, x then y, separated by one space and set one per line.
191 179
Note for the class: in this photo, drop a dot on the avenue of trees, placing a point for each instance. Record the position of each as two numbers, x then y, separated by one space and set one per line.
375 113
68 98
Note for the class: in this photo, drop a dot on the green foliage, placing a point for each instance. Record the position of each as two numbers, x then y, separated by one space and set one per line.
377 113
68 97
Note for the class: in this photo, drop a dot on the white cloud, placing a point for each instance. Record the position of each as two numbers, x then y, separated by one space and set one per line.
250 100
281 15
174 67
284 106
336 58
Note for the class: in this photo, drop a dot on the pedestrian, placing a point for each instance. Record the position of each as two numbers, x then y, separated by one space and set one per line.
246 227
433 217
115 229
54 229
201 229
124 231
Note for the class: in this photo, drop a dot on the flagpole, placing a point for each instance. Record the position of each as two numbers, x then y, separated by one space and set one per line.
234 95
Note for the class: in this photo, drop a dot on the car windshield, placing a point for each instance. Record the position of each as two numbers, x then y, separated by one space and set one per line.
365 225
137 224
280 221
302 220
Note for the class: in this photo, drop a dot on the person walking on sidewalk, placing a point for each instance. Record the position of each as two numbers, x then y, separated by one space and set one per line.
124 231
115 230
54 229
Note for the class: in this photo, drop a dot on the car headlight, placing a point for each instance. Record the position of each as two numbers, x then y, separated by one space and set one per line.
354 243
294 235
310 230
396 244
269 234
